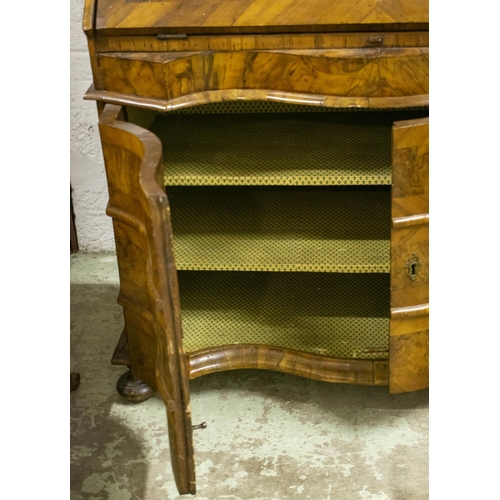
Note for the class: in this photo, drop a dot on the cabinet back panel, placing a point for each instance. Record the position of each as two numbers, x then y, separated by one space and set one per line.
271 228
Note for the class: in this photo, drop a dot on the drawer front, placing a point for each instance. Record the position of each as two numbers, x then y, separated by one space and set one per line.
363 73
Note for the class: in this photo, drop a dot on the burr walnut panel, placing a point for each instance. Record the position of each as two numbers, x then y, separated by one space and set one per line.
410 208
404 243
409 329
409 370
148 280
331 72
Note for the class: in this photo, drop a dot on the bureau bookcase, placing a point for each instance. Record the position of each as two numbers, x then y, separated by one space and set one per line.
268 183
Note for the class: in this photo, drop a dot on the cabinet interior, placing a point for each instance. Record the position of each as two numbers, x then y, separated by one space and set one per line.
331 314
281 218
262 228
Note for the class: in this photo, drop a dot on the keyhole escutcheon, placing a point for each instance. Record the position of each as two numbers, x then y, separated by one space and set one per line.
412 265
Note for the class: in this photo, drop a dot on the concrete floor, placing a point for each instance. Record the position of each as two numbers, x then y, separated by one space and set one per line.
270 436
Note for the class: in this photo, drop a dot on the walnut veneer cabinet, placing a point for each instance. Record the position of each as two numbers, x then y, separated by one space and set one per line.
267 164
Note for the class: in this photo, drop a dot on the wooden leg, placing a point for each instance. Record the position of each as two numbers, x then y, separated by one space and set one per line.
133 389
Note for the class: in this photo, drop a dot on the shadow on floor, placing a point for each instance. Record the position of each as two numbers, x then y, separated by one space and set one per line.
271 436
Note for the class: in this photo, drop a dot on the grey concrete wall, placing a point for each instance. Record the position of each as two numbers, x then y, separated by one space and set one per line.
94 228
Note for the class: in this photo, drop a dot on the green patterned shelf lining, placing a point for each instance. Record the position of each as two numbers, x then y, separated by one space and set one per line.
273 149
336 315
247 106
266 143
314 229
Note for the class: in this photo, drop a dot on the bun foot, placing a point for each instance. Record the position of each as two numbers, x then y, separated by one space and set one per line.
133 389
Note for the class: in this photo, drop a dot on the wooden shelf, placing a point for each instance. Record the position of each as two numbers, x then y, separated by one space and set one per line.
312 148
343 230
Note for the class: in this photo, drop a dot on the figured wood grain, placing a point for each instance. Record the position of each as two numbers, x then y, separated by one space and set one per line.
409 323
410 311
88 26
198 98
254 16
403 326
410 212
404 243
368 72
262 42
89 13
148 281
410 167
264 357
409 368
411 220
403 71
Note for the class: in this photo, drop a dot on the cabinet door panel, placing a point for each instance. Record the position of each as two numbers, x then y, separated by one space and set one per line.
148 278
405 243
409 325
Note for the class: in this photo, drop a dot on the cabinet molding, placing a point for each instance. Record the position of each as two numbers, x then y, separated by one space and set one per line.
199 98
263 357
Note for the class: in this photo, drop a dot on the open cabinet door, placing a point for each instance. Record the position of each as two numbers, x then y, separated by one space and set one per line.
409 324
148 278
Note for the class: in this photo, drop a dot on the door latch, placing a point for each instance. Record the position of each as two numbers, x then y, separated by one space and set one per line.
203 425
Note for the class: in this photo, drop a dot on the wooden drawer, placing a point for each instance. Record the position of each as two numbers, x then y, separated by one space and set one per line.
345 72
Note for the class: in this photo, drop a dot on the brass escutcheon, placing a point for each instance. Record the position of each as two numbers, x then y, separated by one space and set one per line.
412 266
